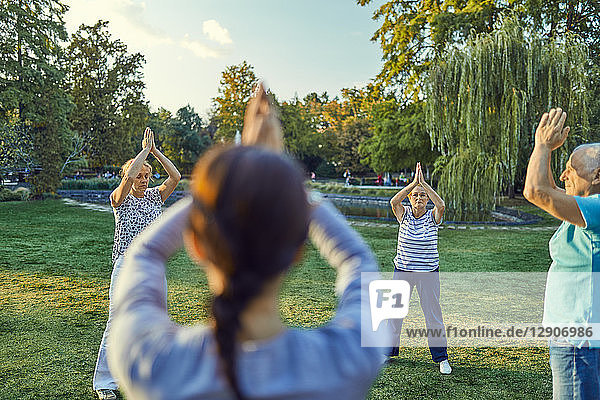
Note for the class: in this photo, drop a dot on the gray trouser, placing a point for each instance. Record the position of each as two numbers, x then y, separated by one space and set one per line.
428 288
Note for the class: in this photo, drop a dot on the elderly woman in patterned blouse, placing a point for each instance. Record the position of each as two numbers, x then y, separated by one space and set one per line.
135 206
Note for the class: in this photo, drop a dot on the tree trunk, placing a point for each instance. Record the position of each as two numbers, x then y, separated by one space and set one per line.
20 60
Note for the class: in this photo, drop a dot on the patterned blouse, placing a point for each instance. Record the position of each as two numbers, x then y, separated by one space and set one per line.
133 216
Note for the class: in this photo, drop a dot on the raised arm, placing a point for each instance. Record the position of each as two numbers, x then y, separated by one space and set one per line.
396 201
540 188
551 177
169 185
439 205
118 195
356 268
261 126
340 245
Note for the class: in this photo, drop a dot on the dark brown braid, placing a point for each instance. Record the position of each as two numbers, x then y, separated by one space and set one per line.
251 216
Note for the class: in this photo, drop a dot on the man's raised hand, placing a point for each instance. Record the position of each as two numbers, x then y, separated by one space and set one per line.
550 131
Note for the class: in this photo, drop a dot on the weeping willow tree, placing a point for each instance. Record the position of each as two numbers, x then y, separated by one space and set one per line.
483 103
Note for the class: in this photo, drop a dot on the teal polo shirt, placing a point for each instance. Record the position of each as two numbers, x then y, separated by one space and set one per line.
573 284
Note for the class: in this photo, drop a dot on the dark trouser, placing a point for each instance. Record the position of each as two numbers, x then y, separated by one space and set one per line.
428 288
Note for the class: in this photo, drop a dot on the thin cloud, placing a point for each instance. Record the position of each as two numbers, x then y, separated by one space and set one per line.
198 48
216 32
127 21
134 13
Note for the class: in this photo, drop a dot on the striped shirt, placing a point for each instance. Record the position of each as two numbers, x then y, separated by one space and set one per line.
417 242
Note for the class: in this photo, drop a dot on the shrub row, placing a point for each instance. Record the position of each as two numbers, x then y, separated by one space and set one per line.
354 190
18 194
90 184
109 184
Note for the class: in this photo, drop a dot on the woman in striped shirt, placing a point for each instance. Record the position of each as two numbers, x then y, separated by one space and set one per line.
417 259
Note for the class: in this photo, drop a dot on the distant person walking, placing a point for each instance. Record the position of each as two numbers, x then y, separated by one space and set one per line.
573 286
135 206
417 259
348 176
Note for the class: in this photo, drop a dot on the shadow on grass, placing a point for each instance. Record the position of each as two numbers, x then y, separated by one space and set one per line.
55 272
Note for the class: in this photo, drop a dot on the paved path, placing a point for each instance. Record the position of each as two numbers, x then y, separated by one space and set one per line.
106 208
462 227
89 206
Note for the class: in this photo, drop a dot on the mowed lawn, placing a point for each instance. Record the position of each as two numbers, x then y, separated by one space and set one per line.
55 272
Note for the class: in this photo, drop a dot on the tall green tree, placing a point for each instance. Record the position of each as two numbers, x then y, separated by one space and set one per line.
484 100
413 34
354 127
556 17
302 136
237 83
105 82
400 138
16 148
31 80
359 101
185 138
351 133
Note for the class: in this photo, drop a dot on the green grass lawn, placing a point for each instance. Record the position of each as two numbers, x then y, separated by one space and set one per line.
55 271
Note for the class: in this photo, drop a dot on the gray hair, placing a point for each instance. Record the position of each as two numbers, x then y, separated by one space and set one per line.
590 156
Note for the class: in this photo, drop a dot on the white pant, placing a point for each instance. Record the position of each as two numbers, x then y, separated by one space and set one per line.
103 379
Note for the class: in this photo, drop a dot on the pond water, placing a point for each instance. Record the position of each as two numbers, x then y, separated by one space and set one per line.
380 211
353 207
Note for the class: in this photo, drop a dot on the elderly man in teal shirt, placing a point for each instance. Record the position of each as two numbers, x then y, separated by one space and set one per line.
572 289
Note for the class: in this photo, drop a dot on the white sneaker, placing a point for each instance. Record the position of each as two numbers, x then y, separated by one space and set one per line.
445 367
106 394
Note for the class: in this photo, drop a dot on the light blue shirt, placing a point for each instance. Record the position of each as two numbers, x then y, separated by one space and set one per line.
154 358
573 285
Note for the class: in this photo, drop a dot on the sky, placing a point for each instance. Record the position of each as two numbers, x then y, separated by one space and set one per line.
296 47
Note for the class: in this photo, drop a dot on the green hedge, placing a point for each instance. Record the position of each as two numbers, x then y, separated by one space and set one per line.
18 194
109 184
90 184
351 190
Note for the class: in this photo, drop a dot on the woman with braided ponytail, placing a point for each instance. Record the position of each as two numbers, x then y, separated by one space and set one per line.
245 223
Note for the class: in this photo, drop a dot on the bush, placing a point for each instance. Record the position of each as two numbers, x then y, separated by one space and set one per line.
90 184
352 190
48 196
9 195
327 170
24 192
110 184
